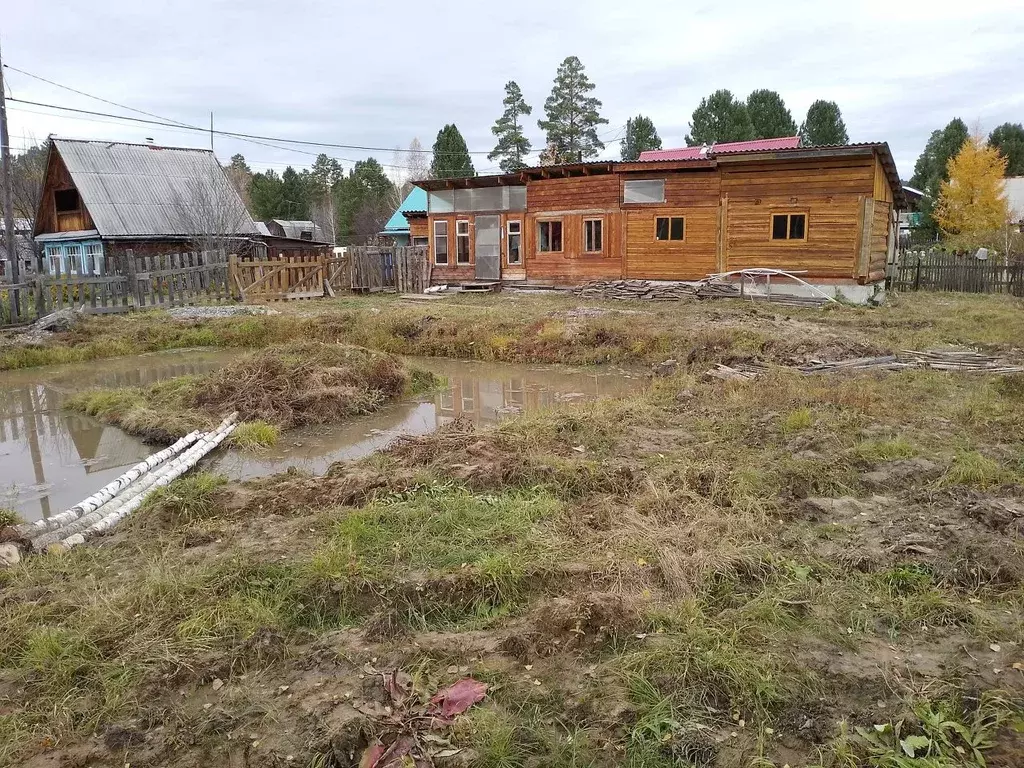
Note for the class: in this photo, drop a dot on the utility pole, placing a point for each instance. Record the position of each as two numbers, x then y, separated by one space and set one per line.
8 193
211 131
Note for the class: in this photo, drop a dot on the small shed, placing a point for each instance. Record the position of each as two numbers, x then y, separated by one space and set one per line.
288 235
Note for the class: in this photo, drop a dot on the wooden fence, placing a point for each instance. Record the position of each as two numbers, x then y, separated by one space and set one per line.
939 271
133 281
401 269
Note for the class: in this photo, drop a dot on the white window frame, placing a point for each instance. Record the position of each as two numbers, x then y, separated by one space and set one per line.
462 232
509 234
599 221
441 237
631 187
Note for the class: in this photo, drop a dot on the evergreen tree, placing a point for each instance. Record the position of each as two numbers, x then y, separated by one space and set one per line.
641 135
973 201
824 125
512 146
1008 138
769 115
267 196
932 168
365 199
719 117
295 191
572 115
451 155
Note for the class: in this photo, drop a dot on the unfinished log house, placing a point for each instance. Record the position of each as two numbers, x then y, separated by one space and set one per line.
827 213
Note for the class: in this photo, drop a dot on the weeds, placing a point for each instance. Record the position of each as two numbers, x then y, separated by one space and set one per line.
252 435
9 517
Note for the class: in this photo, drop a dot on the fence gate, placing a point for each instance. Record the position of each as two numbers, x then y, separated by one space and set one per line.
290 275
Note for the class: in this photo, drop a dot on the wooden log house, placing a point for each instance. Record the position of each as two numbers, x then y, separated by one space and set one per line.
829 213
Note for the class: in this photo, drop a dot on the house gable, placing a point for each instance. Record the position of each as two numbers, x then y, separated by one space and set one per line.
61 206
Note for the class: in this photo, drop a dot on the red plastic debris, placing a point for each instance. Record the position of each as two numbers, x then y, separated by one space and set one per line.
457 698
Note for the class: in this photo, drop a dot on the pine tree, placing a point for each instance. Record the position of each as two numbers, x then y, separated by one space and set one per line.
572 115
824 125
512 146
932 168
240 176
973 201
719 117
267 196
769 115
1008 138
641 135
451 155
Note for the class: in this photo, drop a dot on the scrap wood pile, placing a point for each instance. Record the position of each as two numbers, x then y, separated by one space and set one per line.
645 290
962 361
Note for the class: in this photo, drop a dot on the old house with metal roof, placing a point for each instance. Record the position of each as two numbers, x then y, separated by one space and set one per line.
101 199
825 213
281 235
409 216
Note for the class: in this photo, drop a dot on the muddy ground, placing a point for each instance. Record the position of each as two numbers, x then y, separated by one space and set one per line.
705 573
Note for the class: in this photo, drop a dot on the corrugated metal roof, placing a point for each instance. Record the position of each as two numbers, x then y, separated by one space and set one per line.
294 229
415 201
142 190
696 153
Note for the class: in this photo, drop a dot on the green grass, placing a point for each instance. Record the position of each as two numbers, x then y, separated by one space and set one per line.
253 435
9 517
972 468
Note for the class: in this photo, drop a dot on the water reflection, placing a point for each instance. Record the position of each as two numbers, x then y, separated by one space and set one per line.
50 459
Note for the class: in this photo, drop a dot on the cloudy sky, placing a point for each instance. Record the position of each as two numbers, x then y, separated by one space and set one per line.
380 74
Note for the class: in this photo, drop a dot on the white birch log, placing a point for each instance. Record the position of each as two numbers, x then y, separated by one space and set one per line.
112 513
107 492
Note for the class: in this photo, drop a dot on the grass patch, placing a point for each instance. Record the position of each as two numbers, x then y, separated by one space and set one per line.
253 435
187 499
291 385
874 451
9 517
971 468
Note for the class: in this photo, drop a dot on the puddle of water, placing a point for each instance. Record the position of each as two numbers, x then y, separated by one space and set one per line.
51 459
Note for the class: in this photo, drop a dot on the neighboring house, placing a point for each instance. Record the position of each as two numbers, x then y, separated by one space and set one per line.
828 213
282 235
101 199
911 218
408 224
1014 187
22 245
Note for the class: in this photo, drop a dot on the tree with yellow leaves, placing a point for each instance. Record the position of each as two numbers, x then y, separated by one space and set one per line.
973 201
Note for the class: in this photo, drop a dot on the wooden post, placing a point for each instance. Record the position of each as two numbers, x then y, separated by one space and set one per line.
233 283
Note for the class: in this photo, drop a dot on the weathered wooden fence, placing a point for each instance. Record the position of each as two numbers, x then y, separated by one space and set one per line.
402 269
940 271
288 275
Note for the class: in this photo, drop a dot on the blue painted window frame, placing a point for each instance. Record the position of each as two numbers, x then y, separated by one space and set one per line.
63 251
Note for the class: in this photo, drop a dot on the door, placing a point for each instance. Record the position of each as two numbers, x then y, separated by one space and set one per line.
488 247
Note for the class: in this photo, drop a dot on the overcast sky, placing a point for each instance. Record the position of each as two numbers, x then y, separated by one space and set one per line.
381 73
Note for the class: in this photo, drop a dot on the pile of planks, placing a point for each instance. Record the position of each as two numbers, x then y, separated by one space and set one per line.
962 361
635 290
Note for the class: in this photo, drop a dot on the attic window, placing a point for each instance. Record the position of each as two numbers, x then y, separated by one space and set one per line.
66 200
306 235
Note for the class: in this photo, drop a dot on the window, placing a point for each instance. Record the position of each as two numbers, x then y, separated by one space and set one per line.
462 242
440 242
515 242
420 242
306 234
789 226
593 240
549 236
93 262
646 191
670 228
66 200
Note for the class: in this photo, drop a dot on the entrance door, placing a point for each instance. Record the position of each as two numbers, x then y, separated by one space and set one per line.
488 247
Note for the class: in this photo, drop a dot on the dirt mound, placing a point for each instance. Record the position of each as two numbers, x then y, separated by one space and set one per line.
589 620
307 382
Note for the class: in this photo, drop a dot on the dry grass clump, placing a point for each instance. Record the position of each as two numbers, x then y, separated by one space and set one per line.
303 382
298 383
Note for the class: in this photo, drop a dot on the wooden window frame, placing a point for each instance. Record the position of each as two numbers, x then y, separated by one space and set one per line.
414 244
561 236
669 239
508 240
771 226
664 193
447 243
587 220
78 200
469 243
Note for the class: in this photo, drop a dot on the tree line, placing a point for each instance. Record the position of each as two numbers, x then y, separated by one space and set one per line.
982 168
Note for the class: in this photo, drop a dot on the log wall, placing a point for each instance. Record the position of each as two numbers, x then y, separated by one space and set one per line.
47 218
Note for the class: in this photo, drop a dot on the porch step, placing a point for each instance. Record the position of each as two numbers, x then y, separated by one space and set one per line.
480 287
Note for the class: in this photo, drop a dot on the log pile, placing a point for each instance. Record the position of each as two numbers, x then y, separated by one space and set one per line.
960 361
635 290
645 290
119 498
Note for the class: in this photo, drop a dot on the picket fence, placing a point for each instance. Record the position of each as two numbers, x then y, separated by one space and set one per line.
941 271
